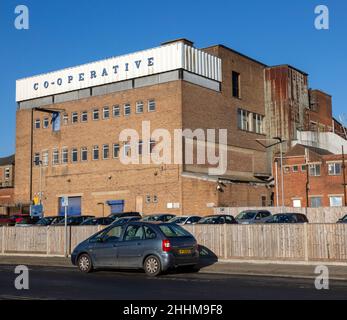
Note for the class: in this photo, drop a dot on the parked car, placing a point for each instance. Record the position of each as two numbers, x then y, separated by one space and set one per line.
253 216
343 220
185 220
159 217
115 216
97 222
47 221
27 222
7 221
73 221
288 218
124 220
154 247
218 219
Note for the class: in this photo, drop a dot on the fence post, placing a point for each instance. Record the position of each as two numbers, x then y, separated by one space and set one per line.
48 242
225 242
3 240
306 242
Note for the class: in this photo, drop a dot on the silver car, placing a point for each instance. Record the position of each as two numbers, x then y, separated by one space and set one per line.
152 246
253 216
185 220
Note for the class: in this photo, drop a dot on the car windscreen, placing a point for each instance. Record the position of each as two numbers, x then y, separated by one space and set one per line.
178 220
209 220
246 215
173 231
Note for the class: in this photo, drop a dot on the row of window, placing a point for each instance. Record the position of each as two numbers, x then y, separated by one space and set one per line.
335 201
334 169
82 154
7 173
250 121
104 114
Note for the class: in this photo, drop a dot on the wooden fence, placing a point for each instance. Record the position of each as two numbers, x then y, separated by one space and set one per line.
314 215
301 243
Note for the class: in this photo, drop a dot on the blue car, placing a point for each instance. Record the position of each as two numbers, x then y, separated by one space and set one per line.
154 247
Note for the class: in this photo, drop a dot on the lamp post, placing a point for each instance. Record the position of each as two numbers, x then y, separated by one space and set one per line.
280 142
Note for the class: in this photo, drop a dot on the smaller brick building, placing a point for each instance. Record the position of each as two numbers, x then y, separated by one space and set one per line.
6 184
313 177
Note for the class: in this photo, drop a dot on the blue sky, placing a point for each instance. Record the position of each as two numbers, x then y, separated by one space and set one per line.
66 33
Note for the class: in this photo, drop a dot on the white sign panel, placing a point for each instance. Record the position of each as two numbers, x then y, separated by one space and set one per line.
64 201
162 59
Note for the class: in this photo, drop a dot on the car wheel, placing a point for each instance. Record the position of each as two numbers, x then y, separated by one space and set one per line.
85 263
152 266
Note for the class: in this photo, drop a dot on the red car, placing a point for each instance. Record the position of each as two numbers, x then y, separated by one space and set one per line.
12 220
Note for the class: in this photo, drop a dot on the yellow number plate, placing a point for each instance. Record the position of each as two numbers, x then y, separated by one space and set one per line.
187 251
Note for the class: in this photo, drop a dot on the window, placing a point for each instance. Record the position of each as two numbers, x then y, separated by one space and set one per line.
45 158
127 149
74 117
334 169
140 147
257 123
55 157
236 84
316 202
37 159
37 124
96 115
116 151
65 119
155 199
133 233
110 235
286 169
139 107
314 170
105 151
149 233
148 199
304 168
95 153
56 121
106 113
84 154
151 106
74 155
127 110
243 119
84 116
45 123
152 144
295 169
116 111
7 173
297 203
65 156
335 201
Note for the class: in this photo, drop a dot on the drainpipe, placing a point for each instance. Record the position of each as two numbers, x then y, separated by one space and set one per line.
31 154
344 175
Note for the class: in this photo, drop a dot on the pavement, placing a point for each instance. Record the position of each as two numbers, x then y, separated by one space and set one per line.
297 271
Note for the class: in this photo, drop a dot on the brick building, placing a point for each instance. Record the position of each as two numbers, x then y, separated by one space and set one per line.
313 177
69 122
7 184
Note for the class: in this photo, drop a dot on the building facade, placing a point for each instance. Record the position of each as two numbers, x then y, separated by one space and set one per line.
7 176
70 123
313 177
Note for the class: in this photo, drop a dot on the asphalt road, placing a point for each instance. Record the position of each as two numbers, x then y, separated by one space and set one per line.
54 283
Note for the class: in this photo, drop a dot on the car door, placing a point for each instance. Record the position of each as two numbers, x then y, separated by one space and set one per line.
130 249
103 248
